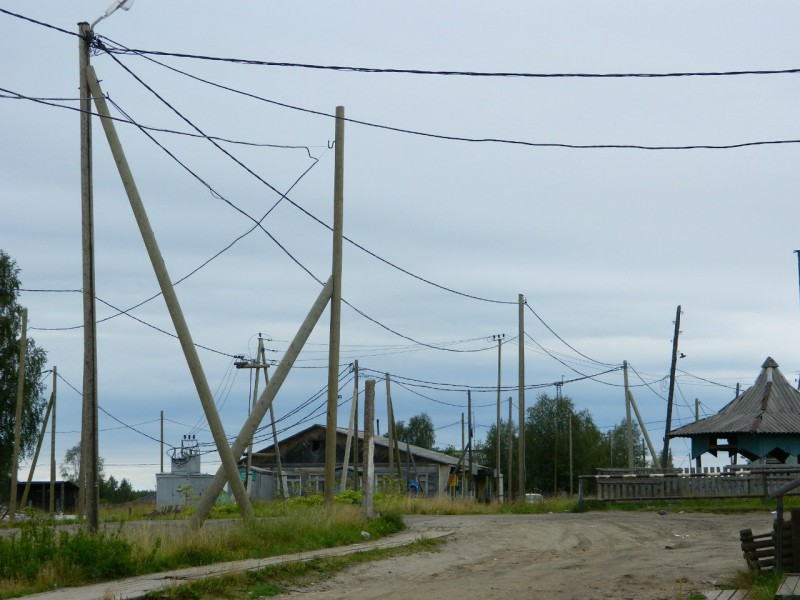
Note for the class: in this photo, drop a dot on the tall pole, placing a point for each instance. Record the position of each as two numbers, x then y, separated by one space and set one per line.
510 446
162 441
628 419
463 448
53 445
646 435
390 426
697 461
499 338
570 454
336 308
665 456
469 441
39 442
251 405
89 450
521 396
369 448
275 443
355 427
350 434
23 343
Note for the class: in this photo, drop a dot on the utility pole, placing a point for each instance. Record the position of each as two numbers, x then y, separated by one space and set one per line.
23 343
469 440
629 421
369 448
53 446
665 457
394 446
463 449
510 453
350 432
39 442
336 309
162 441
355 429
697 461
390 427
521 399
89 489
499 339
570 455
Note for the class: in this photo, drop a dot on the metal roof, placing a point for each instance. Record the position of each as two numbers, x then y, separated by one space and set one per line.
770 406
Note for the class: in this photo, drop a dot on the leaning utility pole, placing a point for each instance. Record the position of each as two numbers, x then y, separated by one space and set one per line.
628 420
173 306
23 343
39 442
88 479
350 433
336 309
499 338
521 393
665 456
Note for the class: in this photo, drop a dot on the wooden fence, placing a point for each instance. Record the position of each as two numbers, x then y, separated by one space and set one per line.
729 482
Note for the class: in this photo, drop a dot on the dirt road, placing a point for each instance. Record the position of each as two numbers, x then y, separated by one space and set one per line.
589 556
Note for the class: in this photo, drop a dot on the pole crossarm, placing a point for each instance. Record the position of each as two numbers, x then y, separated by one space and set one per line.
171 299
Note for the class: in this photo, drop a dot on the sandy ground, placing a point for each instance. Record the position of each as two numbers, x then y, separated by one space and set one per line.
624 556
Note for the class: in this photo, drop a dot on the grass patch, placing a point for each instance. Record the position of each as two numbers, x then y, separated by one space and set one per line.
40 557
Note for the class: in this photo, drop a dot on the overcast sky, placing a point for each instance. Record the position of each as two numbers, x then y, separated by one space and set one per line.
604 243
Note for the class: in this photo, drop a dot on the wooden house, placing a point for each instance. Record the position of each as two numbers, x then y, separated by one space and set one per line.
303 467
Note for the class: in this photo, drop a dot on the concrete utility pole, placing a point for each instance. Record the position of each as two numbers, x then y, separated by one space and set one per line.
336 309
628 420
89 484
367 505
510 452
173 305
53 446
665 456
521 394
23 343
499 338
469 441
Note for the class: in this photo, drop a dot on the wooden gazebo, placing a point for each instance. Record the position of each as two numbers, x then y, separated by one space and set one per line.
763 422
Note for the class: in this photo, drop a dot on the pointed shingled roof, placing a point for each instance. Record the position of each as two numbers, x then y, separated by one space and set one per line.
770 406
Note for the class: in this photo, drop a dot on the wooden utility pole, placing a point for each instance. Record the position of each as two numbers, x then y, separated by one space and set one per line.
23 343
394 446
355 428
697 461
665 456
499 338
162 441
53 445
39 442
521 398
369 449
390 427
510 453
628 420
653 455
350 433
89 483
469 443
570 454
463 449
336 309
173 306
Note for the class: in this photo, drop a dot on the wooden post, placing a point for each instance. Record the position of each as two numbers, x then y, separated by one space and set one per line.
355 427
390 427
369 449
162 441
53 445
499 339
469 443
23 342
336 309
463 449
698 461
